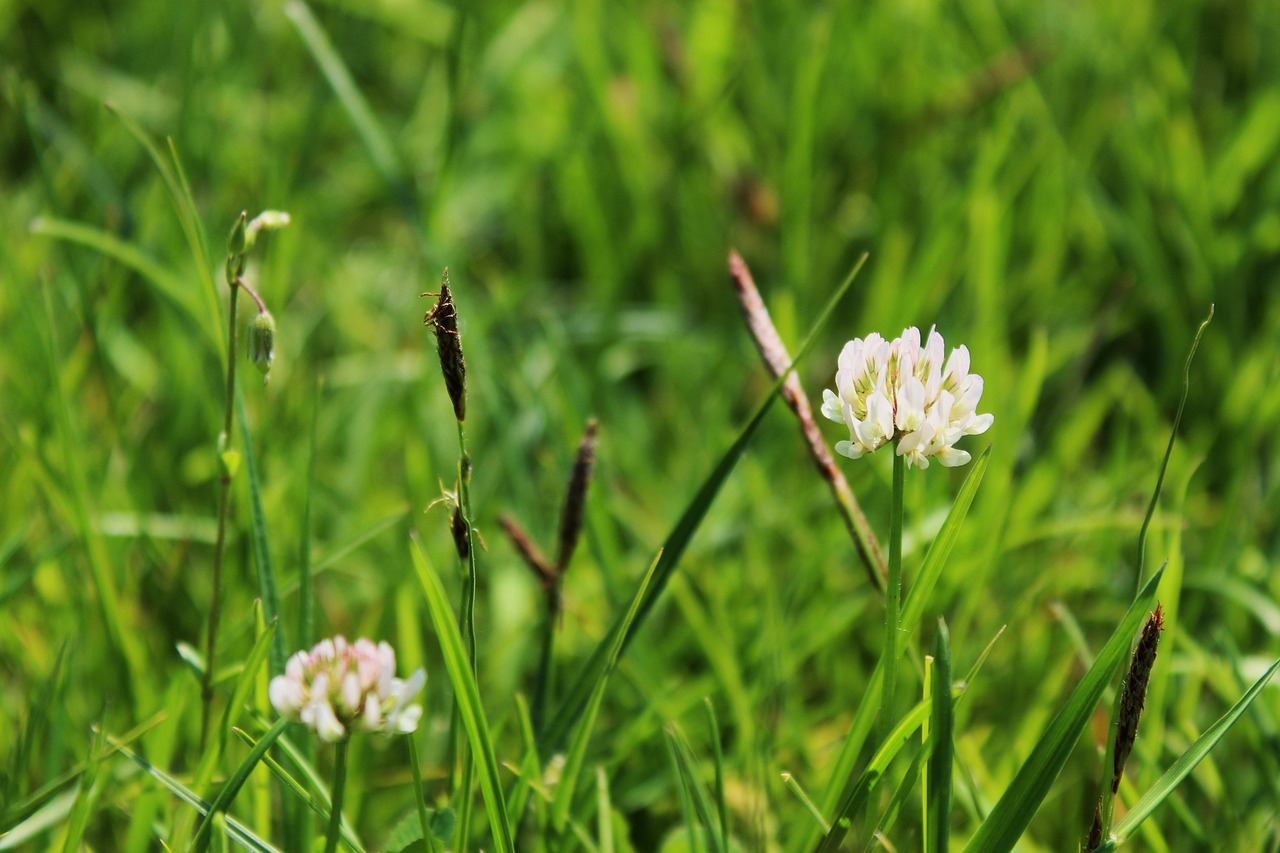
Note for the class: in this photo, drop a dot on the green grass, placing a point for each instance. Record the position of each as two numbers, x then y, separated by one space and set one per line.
1063 188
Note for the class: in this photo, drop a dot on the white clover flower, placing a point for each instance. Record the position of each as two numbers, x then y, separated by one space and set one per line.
898 391
339 688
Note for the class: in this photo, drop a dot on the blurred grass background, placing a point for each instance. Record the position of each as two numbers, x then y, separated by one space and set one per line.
1063 187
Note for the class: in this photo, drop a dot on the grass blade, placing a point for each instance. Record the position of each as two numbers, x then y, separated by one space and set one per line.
238 831
191 228
236 782
1187 762
1011 815
267 588
244 683
578 747
717 754
375 139
316 804
673 549
870 778
697 790
468 699
938 783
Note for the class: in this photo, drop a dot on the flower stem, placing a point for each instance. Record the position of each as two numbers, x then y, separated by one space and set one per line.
893 596
224 506
339 785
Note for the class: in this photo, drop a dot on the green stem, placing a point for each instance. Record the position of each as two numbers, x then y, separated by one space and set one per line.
419 796
542 686
467 625
339 785
893 596
224 506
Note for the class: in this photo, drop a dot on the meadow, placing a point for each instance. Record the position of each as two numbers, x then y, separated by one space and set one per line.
1069 190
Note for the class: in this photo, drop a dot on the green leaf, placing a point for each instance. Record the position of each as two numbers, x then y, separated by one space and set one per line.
1187 762
467 695
407 834
189 219
1011 815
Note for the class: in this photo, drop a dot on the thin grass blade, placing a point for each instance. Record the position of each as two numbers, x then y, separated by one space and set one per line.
568 783
238 831
701 797
1011 815
938 783
468 699
228 793
267 587
1187 762
870 778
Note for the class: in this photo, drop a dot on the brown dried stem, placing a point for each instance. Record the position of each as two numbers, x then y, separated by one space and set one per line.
777 359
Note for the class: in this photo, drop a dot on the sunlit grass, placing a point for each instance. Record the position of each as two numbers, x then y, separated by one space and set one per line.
1064 188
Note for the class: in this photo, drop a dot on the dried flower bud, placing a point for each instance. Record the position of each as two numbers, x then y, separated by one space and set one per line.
576 497
262 343
443 318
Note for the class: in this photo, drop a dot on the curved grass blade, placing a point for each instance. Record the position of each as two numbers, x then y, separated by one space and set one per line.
673 549
267 588
169 285
238 831
578 747
1168 451
376 141
1011 815
1187 762
190 222
236 782
252 664
870 778
316 804
468 699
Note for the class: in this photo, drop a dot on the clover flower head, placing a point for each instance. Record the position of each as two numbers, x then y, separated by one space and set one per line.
339 688
903 392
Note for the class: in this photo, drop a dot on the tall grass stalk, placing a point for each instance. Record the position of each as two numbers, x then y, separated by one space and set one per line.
226 468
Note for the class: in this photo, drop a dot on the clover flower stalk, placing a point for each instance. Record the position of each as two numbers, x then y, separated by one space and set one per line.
904 394
339 689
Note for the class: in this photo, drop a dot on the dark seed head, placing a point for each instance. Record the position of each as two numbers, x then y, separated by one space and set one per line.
443 318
